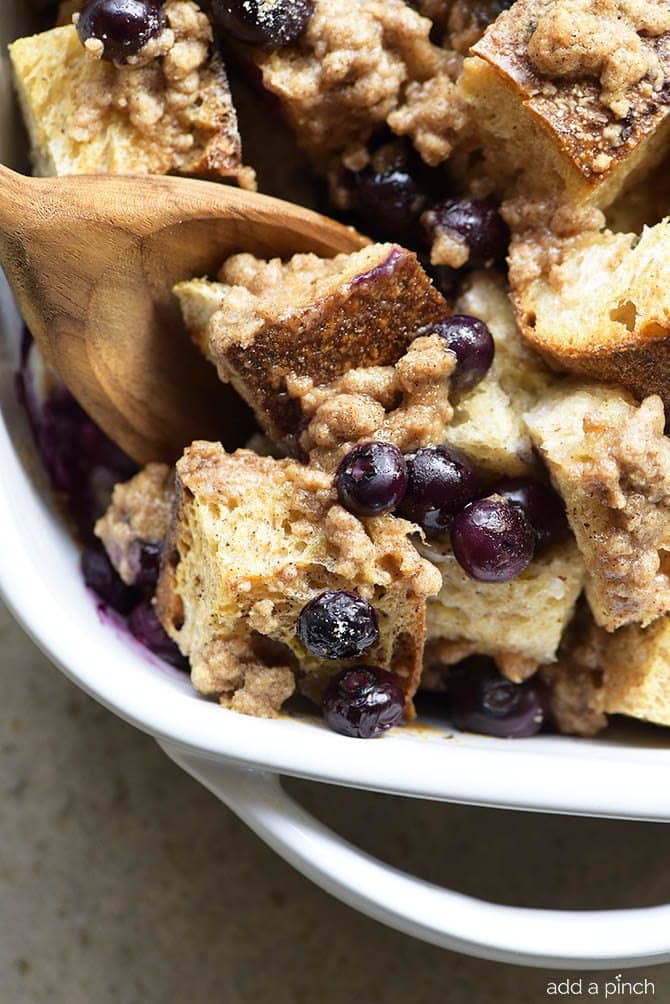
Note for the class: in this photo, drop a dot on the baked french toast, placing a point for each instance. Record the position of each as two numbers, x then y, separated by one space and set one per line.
461 471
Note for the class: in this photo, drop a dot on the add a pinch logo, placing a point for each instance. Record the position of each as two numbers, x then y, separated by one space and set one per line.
606 989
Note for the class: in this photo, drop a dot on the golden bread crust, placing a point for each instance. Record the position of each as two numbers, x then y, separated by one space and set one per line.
310 318
624 336
558 126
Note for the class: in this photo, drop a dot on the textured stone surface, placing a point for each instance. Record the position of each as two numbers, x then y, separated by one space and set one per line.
123 881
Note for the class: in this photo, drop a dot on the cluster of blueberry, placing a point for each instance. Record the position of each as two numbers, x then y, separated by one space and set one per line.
125 26
494 533
365 701
494 538
397 197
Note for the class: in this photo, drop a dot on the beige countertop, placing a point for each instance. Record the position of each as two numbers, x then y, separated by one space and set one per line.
121 880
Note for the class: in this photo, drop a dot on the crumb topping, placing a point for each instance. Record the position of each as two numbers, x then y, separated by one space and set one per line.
542 229
406 404
611 462
173 92
359 66
139 513
576 680
605 39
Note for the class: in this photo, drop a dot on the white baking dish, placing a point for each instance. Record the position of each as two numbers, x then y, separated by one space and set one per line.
625 774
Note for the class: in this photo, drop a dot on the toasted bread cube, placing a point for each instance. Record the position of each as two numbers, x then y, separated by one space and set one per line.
524 618
567 133
89 116
137 517
488 421
252 541
310 318
600 674
636 672
357 67
610 460
602 308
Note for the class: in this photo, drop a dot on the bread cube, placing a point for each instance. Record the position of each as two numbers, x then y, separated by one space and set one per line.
521 620
610 460
600 674
636 672
488 421
170 113
138 515
601 308
311 319
556 98
356 68
252 541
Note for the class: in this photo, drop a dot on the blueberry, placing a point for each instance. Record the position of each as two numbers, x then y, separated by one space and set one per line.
100 576
372 479
493 540
271 24
144 625
338 625
544 508
147 560
363 702
476 223
441 481
82 463
388 194
472 343
481 700
123 26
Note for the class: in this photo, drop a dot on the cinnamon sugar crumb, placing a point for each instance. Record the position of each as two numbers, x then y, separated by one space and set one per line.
607 39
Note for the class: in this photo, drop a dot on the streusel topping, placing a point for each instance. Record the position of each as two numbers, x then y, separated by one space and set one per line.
605 38
163 90
406 404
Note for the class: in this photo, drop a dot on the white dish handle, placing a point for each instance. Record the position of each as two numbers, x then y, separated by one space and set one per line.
564 939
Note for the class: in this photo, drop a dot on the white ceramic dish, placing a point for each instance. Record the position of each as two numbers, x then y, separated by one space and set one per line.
625 774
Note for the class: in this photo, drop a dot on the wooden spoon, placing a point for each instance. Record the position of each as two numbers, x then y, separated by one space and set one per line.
92 262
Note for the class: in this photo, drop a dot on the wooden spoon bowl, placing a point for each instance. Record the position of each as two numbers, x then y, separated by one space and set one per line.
92 262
